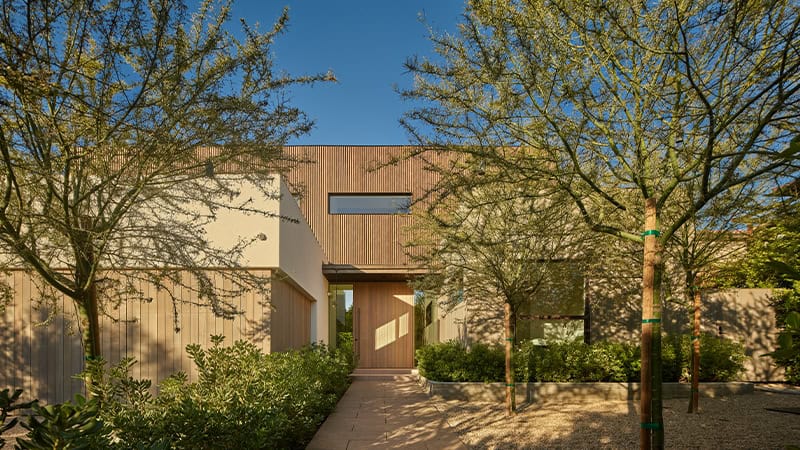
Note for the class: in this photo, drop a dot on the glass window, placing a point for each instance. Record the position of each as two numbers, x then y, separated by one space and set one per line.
556 312
369 203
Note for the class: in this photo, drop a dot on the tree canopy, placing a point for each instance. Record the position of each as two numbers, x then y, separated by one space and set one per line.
622 105
115 118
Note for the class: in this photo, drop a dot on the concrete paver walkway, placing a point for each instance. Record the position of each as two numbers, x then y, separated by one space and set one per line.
385 413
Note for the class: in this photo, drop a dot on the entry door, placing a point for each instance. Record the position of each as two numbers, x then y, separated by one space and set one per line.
383 324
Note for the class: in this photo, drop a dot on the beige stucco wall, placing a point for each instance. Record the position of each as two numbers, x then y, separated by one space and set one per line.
290 245
746 316
743 315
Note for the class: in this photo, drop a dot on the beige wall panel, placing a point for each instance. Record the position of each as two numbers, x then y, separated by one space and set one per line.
384 324
745 315
10 360
453 324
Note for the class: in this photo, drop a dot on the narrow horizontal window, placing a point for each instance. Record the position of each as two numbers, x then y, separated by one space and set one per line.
369 203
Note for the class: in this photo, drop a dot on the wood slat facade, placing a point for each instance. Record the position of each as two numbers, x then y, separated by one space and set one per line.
360 239
383 324
41 357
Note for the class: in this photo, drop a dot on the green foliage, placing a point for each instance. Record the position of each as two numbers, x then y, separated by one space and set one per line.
578 362
8 403
452 361
773 260
721 360
66 426
788 352
345 347
242 399
125 404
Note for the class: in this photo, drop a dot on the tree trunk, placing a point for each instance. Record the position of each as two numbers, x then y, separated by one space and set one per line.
90 329
652 424
695 400
510 394
86 302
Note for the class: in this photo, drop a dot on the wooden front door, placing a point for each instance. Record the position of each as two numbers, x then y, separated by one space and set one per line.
383 325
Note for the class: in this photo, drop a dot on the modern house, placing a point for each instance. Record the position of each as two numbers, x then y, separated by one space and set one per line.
339 230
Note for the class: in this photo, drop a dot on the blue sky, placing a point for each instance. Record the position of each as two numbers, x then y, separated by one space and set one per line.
365 44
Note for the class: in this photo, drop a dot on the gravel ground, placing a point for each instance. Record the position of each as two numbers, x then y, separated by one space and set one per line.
737 422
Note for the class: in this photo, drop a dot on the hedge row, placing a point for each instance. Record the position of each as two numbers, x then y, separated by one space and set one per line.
721 360
242 399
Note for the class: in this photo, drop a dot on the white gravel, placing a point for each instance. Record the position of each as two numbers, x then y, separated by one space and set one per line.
736 422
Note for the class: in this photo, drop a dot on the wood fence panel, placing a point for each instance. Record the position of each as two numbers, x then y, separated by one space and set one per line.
42 359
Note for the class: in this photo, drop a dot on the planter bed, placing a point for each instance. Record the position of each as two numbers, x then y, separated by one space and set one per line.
572 392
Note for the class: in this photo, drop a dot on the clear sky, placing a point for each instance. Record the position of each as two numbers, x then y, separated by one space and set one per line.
364 43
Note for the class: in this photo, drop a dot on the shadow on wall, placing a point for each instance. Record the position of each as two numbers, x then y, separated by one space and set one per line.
616 308
746 316
742 315
40 349
260 328
41 353
484 320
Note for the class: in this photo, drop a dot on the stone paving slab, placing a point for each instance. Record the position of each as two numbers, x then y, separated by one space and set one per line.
385 414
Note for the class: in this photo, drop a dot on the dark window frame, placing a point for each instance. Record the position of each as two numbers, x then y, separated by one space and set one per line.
405 211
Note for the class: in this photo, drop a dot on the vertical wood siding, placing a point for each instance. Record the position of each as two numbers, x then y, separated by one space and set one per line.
290 309
359 239
41 356
384 324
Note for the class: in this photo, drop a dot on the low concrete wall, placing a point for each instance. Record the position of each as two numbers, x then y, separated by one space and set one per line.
572 392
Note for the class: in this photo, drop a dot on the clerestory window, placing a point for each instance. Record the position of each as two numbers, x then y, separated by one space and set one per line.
369 203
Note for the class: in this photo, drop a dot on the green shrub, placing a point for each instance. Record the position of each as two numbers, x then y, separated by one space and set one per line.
452 361
674 361
787 315
577 362
721 360
485 363
8 403
242 399
345 347
65 426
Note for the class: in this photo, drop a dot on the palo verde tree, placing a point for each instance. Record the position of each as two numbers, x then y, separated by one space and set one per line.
499 247
713 237
620 104
103 106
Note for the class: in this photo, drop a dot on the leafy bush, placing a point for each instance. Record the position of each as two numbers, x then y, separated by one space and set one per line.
452 361
242 399
721 360
787 315
576 361
8 403
345 347
65 426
